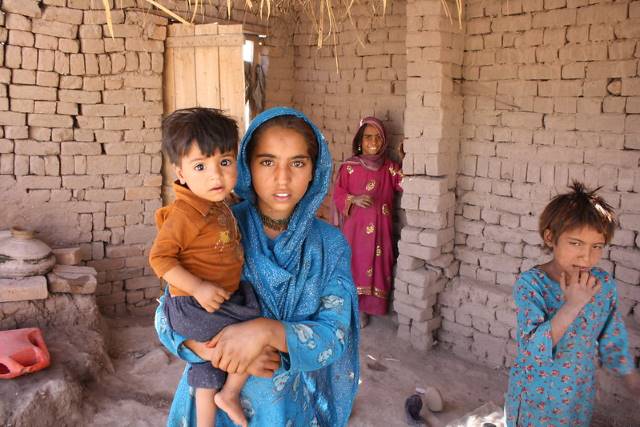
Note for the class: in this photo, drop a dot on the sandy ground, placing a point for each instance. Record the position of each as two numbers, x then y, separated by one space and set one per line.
133 385
115 373
139 392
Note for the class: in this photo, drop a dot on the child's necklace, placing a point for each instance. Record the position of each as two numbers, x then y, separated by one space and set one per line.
274 224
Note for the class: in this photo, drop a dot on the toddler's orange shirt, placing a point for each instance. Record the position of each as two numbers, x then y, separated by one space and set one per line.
202 237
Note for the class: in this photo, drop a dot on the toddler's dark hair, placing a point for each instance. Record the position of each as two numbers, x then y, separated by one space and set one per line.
578 208
210 128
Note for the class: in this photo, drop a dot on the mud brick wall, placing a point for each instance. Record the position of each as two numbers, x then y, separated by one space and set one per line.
370 78
551 94
80 119
433 117
80 116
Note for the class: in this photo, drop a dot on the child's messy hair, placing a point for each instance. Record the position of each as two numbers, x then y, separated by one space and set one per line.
210 128
578 208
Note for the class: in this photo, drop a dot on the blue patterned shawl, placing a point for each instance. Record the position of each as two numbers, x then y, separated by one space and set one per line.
302 278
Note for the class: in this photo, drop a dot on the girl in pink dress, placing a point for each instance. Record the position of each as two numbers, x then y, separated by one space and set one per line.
363 196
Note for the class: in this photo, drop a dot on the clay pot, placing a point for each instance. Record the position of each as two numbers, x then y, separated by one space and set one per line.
22 255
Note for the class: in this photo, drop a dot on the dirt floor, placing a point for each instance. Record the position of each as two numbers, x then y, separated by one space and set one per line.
137 383
139 392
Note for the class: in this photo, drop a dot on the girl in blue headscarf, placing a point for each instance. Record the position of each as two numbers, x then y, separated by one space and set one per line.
299 267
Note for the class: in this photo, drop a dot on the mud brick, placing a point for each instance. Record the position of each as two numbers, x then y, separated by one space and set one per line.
90 32
62 14
122 96
76 64
98 165
104 110
13 57
24 289
61 64
69 46
21 38
139 234
79 96
506 316
114 298
596 14
142 193
32 92
50 120
457 329
91 45
125 208
142 283
139 44
419 314
409 263
118 62
9 118
67 256
22 7
72 279
84 135
46 42
102 195
36 165
123 123
99 17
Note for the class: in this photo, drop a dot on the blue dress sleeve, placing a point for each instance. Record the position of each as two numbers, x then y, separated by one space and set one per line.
322 338
534 324
171 340
613 343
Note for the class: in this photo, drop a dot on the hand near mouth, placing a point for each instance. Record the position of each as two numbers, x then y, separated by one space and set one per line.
579 291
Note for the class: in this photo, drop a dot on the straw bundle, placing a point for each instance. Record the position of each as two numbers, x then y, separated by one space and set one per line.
322 13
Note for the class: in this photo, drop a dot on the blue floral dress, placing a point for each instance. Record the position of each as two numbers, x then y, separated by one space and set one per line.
303 279
555 386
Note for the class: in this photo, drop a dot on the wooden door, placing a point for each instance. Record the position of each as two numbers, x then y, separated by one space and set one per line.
203 67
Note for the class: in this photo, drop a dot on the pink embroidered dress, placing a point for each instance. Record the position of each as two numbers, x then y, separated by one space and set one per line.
369 230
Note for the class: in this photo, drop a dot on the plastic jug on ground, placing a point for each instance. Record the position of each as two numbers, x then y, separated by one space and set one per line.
22 351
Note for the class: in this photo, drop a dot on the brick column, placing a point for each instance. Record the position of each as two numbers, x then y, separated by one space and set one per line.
433 117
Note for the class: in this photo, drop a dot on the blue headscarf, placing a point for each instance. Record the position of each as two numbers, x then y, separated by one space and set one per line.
285 251
291 275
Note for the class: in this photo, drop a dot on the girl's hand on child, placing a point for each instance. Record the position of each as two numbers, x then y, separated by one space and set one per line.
363 201
632 381
580 290
238 345
209 296
266 364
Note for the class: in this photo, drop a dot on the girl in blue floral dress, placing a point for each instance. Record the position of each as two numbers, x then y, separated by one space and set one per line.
567 318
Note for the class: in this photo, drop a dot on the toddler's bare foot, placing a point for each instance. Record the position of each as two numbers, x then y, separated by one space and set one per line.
230 403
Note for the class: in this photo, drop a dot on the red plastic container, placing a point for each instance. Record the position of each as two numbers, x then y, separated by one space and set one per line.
22 351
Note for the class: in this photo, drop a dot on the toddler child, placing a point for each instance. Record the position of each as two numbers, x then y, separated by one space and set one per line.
567 318
198 251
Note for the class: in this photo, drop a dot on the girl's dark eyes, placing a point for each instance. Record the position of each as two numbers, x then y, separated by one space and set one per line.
266 162
198 167
580 244
298 163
